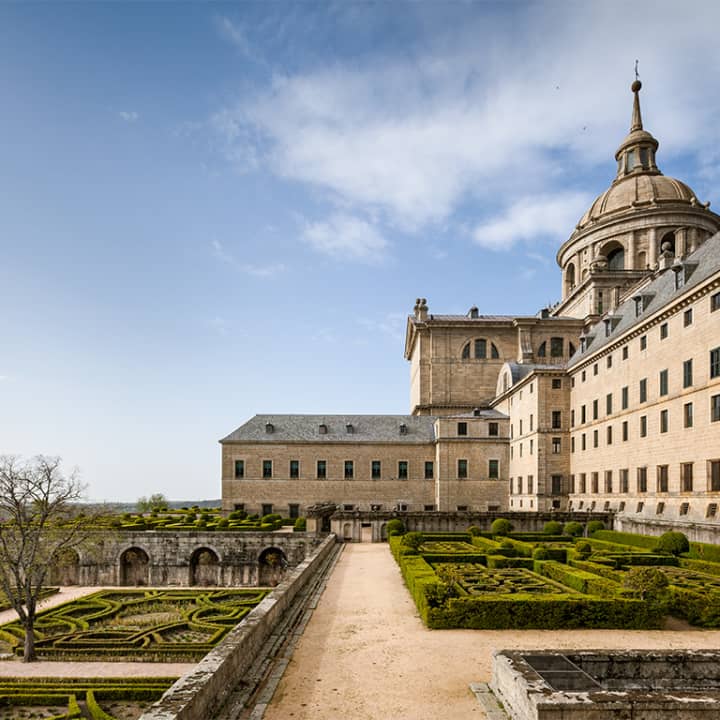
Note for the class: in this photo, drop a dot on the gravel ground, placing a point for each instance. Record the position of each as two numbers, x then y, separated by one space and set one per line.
365 653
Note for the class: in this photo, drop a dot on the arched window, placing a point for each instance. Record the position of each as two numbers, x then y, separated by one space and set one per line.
570 277
478 349
542 350
616 259
667 244
571 350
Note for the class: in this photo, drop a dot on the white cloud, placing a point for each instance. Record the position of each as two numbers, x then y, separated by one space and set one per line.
346 237
488 115
129 115
219 252
391 324
236 35
551 216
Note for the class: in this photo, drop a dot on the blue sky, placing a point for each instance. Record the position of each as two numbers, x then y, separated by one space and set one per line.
213 210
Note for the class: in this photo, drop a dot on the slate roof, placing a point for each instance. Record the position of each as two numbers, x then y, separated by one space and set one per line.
520 370
306 428
659 293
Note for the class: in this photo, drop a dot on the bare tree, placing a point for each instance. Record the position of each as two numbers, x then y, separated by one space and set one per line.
39 523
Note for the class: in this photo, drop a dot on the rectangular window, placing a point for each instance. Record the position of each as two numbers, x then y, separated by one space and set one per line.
530 484
267 509
595 369
348 507
642 479
663 382
239 468
643 426
643 390
687 317
293 511
572 418
608 361
625 397
583 483
609 434
267 471
582 376
375 469
624 481
556 445
462 469
715 302
428 508
512 483
663 331
583 442
660 508
294 468
662 478
493 429
493 469
686 477
663 421
429 470
684 507
594 483
711 510
480 349
520 486
556 419
462 428
556 484
643 342
321 469
715 408
715 363
608 482
595 409
556 383
714 475
532 445
556 347
625 430
403 469
583 414
531 422
688 415
596 437
349 469
687 373
239 506
625 352
572 444
608 404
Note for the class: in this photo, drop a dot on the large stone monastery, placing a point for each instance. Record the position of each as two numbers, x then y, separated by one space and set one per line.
609 400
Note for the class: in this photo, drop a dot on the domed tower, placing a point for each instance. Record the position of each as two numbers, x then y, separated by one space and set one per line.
643 218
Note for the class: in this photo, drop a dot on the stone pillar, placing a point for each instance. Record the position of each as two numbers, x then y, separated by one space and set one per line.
652 259
681 242
630 260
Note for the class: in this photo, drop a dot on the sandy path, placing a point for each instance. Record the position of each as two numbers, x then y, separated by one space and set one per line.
46 668
365 653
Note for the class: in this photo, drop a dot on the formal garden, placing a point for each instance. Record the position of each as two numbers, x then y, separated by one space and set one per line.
137 625
66 698
571 576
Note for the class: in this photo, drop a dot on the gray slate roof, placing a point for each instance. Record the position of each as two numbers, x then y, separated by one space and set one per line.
306 428
520 370
661 291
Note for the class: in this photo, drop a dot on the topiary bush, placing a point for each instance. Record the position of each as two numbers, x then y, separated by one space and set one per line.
395 527
501 526
413 540
584 549
541 553
300 525
573 529
674 543
553 527
649 584
474 531
595 525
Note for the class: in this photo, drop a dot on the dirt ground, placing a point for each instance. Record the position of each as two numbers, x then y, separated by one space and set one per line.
365 653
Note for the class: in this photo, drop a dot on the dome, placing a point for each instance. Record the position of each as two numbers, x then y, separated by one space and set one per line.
638 192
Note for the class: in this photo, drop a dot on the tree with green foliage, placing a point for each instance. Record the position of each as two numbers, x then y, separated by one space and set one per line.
674 543
395 527
501 526
595 525
573 529
648 583
300 524
413 540
40 523
552 527
157 501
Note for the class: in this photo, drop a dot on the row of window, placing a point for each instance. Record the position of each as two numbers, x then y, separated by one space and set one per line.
664 425
294 508
493 429
321 469
684 508
592 485
664 333
555 423
663 389
518 488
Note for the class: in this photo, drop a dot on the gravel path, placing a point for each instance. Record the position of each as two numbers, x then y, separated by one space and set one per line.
365 653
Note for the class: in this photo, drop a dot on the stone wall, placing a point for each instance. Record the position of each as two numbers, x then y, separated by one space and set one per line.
200 693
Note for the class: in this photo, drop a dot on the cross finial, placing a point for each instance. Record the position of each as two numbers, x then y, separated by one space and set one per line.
637 75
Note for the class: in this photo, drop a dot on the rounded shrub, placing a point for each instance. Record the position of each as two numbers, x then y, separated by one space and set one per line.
594 525
501 526
650 583
573 529
541 553
300 524
413 540
474 530
509 550
395 527
552 527
674 543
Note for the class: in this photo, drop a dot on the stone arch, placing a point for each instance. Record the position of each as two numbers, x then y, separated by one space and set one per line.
272 565
569 278
667 242
134 566
347 532
204 567
383 532
479 349
614 252
65 568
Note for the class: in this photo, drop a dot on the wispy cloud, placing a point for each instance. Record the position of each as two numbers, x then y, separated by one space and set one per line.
219 325
391 324
222 255
129 115
347 238
236 34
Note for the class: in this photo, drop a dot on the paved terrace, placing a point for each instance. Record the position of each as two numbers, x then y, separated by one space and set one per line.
365 653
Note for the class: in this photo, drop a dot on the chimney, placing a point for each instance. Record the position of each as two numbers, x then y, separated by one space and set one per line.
421 309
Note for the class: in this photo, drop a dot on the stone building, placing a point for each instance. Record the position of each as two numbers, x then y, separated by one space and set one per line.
610 400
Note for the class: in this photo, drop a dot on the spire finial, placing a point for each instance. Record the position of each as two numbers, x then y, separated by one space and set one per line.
636 123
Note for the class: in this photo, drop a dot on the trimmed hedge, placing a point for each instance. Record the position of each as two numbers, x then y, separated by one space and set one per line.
710 568
704 551
580 580
624 538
